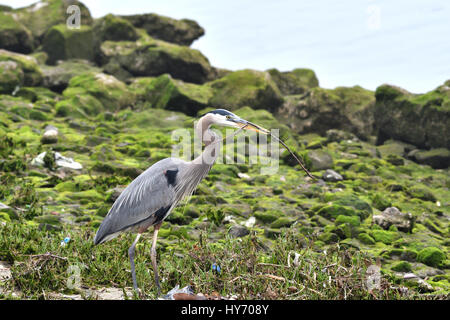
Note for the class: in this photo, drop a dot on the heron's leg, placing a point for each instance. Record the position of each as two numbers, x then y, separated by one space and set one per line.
131 255
153 256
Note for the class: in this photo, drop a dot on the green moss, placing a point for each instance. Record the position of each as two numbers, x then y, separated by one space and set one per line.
111 27
32 74
352 220
245 88
62 43
381 202
366 239
14 36
431 256
282 222
266 217
386 237
328 237
167 93
402 266
388 92
48 219
296 81
422 193
110 92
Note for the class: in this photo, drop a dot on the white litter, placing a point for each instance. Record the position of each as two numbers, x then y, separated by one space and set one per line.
243 176
60 161
169 295
250 222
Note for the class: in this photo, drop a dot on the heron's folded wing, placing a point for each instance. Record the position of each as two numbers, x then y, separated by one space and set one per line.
148 193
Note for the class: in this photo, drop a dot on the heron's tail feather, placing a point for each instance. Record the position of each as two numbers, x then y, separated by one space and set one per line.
104 233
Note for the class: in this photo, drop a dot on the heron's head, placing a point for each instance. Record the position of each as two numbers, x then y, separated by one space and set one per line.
226 118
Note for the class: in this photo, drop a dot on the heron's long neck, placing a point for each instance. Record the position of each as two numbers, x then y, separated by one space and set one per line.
212 144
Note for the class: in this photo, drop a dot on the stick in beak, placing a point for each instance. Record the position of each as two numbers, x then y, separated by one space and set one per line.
244 124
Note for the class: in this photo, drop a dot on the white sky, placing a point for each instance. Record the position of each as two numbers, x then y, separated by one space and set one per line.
365 42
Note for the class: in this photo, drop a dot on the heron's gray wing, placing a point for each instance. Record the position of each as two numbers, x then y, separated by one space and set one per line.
151 191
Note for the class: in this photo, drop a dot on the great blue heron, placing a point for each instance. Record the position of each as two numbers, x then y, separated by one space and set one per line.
150 198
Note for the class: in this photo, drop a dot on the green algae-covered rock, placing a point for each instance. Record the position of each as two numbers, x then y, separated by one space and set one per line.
14 36
57 77
344 108
422 193
17 70
182 32
110 92
150 57
111 27
366 238
282 222
42 15
297 81
11 76
381 202
422 120
352 220
168 93
436 158
431 256
37 94
246 88
62 43
320 160
402 266
333 211
386 237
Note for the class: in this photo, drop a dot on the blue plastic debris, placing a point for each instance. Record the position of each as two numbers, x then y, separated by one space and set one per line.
216 268
65 241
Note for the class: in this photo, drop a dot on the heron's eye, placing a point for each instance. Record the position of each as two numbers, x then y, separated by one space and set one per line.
228 117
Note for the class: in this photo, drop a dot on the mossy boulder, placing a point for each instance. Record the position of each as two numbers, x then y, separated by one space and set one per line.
14 36
182 32
110 92
18 70
422 192
352 220
168 93
345 108
381 202
438 158
114 28
62 43
366 238
150 57
282 222
386 237
319 160
11 76
431 256
246 88
422 120
42 15
297 81
57 77
402 266
333 211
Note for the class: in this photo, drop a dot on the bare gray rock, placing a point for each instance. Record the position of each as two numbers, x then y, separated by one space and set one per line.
392 216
